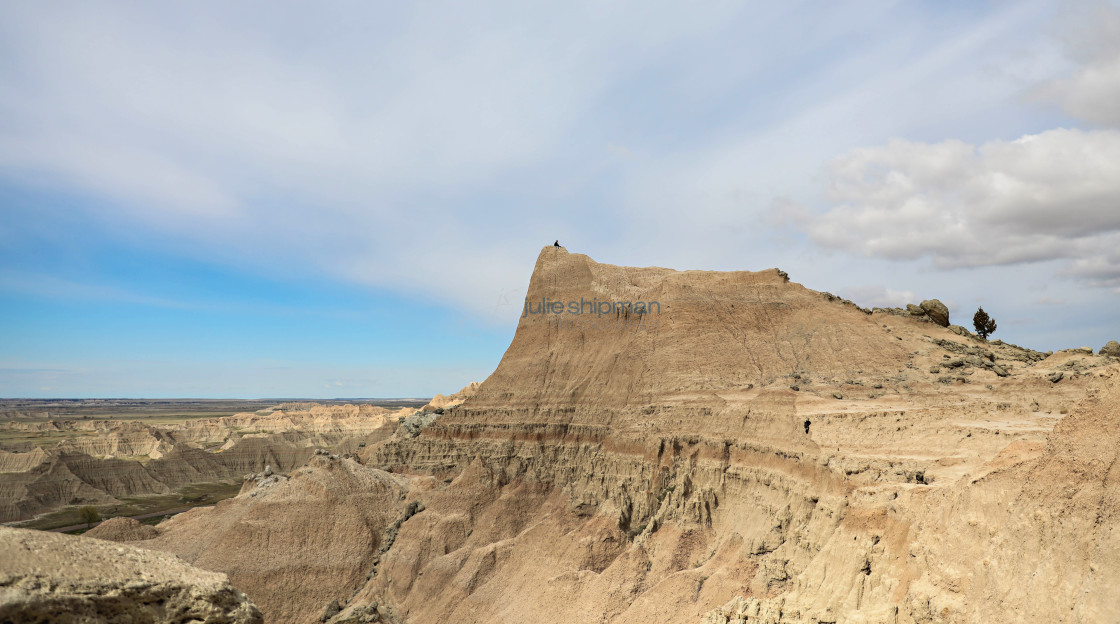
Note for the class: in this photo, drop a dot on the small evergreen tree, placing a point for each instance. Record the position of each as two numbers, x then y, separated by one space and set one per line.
89 515
984 324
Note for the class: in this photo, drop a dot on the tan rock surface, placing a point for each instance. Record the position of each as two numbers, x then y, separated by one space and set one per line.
48 577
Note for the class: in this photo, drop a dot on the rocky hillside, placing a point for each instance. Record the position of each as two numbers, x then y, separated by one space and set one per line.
745 450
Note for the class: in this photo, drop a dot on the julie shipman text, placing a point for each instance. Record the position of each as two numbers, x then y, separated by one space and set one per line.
590 306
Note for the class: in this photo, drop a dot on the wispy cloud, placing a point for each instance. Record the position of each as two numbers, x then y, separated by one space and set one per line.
52 287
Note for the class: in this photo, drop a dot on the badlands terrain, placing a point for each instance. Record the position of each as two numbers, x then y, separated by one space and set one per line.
748 451
122 456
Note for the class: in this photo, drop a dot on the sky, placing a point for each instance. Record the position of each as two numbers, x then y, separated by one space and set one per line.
273 199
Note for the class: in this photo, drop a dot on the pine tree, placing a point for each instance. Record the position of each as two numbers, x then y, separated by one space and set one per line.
984 324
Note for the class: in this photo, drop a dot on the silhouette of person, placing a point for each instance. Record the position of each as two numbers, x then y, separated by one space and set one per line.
557 243
807 423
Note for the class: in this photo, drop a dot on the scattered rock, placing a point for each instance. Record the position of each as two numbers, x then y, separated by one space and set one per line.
837 395
935 369
960 331
999 370
1112 348
1056 377
936 311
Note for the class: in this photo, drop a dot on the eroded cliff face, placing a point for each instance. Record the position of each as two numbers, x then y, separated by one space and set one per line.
656 466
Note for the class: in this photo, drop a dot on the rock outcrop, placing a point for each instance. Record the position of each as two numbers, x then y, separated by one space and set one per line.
440 401
1111 348
937 311
48 577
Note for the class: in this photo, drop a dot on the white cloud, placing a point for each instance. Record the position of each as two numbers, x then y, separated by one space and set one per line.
878 296
1092 41
1048 196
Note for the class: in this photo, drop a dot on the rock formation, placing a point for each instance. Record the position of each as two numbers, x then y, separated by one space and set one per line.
633 462
440 401
1111 348
47 577
937 311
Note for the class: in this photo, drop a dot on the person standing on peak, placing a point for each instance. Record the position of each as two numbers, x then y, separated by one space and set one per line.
557 243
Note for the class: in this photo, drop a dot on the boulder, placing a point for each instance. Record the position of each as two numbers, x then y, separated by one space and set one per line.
960 331
1112 348
915 310
937 311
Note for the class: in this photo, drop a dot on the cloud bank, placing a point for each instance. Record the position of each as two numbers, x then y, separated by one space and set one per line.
1048 196
1053 195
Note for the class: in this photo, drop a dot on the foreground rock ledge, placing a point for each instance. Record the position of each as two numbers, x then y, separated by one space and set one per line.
48 577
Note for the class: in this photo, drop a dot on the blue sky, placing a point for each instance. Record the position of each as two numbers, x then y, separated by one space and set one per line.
265 200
